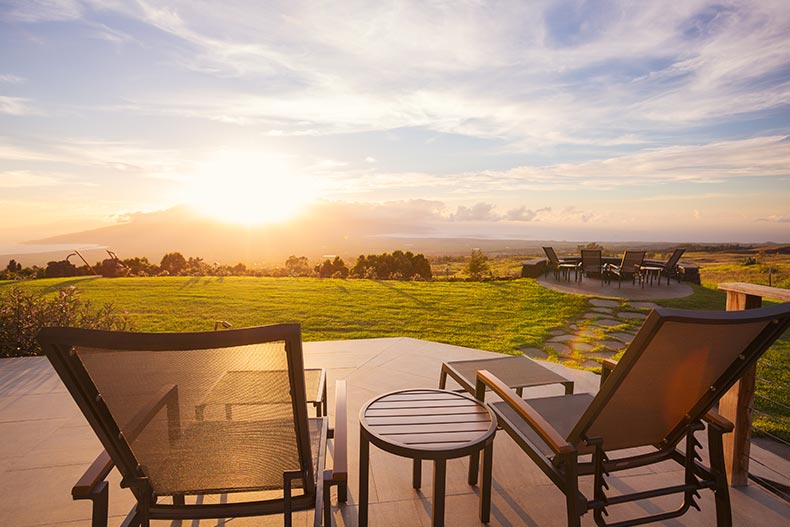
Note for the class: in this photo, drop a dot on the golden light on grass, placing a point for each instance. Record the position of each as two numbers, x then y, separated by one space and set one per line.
250 188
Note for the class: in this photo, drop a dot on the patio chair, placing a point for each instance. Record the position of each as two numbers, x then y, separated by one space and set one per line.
629 266
560 267
670 268
159 406
591 264
664 387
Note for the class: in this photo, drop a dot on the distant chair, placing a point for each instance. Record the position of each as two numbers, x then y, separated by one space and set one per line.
629 267
559 267
670 269
591 264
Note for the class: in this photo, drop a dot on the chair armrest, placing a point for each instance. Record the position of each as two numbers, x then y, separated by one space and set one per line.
95 474
607 366
340 458
542 427
713 418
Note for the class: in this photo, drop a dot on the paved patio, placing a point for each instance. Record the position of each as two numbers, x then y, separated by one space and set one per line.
626 290
47 445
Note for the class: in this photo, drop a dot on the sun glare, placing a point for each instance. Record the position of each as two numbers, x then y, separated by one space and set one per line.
248 188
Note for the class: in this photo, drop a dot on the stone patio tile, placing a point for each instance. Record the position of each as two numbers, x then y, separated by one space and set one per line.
560 349
608 322
631 316
643 305
619 335
562 338
601 302
534 353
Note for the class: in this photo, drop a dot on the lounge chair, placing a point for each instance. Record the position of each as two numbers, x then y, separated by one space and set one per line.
670 268
663 389
560 267
629 267
591 264
160 408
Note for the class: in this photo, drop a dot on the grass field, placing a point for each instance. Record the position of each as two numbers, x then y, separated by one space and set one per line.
495 316
499 316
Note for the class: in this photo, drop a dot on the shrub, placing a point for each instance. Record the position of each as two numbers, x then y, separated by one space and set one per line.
23 314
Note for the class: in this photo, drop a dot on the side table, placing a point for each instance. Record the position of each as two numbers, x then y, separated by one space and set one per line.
429 424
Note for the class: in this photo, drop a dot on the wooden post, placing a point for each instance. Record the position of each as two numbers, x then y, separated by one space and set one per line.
737 404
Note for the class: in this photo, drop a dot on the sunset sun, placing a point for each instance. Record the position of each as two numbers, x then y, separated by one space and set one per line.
248 188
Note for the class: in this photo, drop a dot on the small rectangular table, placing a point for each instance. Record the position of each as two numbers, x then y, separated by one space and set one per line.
428 424
650 272
517 371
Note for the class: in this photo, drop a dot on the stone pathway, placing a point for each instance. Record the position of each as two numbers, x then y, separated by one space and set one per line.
602 332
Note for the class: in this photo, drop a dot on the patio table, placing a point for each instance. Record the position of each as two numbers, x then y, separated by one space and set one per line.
428 424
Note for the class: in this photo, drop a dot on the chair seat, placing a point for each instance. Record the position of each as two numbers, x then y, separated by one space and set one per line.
562 412
232 456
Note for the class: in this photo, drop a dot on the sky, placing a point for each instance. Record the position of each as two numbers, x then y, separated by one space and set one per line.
564 120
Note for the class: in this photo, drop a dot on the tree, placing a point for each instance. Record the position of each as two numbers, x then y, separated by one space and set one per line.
173 263
13 266
297 265
332 268
478 264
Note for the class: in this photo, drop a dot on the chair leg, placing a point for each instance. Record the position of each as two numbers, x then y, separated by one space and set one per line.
721 492
570 467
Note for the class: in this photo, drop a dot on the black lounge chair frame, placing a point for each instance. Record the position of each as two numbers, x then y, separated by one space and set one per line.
629 266
670 268
59 345
560 267
557 455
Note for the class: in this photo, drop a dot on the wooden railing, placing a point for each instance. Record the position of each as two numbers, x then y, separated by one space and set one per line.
737 405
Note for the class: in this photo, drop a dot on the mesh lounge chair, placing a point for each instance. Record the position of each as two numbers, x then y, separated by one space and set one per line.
629 266
560 267
670 269
591 264
159 405
664 387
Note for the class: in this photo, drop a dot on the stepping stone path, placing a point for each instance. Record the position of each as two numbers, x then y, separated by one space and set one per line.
601 302
535 353
608 322
632 316
592 338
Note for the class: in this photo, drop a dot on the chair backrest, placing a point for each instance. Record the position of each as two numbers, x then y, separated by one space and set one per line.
146 394
632 259
592 261
551 255
678 365
674 259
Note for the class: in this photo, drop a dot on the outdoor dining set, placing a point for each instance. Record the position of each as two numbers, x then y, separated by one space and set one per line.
632 266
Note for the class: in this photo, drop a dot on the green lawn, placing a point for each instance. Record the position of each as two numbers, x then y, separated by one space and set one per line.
495 316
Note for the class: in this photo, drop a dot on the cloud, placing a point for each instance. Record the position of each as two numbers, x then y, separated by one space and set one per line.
11 79
524 214
16 106
26 179
774 219
34 11
477 212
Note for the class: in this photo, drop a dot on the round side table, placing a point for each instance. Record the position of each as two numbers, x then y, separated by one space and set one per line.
429 424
